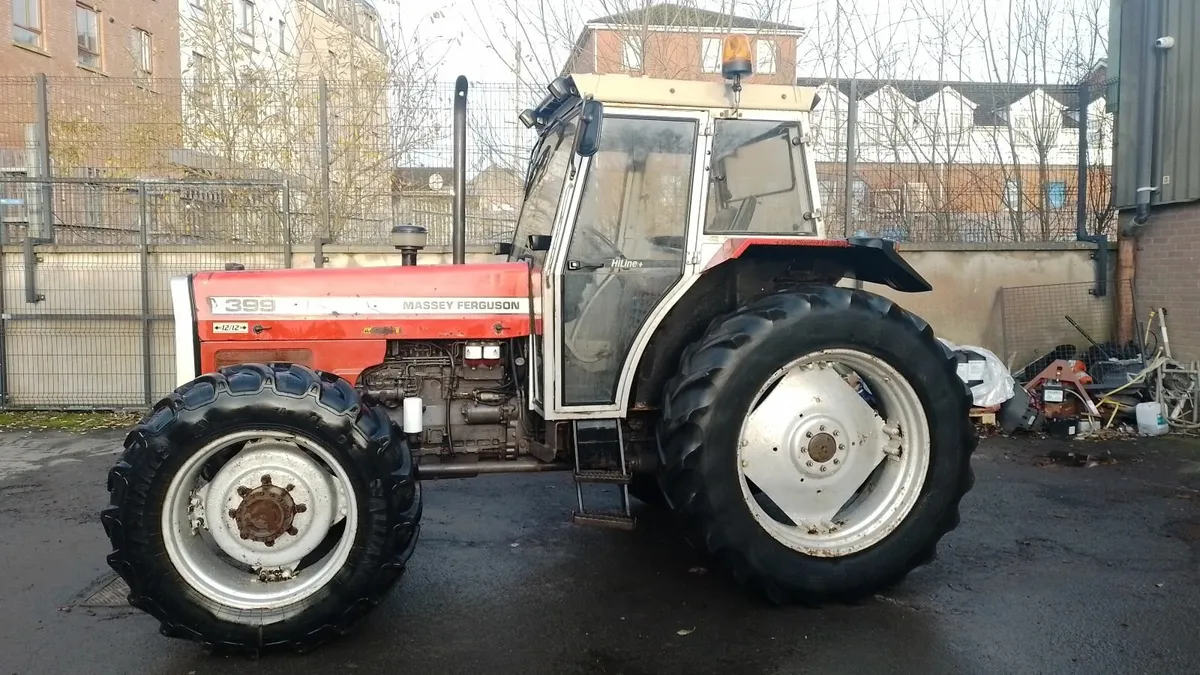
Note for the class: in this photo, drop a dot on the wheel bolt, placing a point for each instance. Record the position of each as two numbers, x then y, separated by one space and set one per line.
808 463
269 542
290 487
301 508
292 531
835 432
266 479
822 427
841 447
243 491
822 468
808 434
804 451
837 461
232 513
245 536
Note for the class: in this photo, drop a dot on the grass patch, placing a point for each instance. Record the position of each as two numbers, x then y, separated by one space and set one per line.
49 420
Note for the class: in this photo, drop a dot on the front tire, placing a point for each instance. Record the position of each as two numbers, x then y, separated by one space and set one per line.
784 472
262 507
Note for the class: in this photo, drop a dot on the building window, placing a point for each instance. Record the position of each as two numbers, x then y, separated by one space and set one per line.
143 52
245 17
710 55
1012 194
1056 194
27 22
765 57
87 34
631 53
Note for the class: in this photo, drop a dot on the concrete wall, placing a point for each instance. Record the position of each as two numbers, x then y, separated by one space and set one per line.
83 344
965 306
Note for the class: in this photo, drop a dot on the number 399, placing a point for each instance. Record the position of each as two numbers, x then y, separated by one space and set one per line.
248 306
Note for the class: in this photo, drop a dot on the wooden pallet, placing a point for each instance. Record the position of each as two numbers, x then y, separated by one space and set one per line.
985 416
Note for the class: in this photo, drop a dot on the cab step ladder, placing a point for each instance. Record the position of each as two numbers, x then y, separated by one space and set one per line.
601 439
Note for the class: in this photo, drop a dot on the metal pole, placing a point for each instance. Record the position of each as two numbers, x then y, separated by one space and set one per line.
286 223
3 330
144 254
1081 181
46 229
458 236
326 196
851 124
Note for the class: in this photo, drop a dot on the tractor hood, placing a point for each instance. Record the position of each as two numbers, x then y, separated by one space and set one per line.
488 301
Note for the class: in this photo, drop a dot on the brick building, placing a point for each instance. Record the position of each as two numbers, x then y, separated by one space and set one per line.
672 41
1156 182
113 38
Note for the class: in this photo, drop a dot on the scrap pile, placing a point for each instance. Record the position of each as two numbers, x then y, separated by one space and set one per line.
1068 391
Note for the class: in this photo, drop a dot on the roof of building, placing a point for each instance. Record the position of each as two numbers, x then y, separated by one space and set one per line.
678 16
991 99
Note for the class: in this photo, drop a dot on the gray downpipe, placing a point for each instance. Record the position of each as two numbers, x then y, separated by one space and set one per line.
1147 123
458 237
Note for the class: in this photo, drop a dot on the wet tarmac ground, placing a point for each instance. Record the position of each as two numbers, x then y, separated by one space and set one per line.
1055 569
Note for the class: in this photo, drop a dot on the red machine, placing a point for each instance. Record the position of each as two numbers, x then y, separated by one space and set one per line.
665 319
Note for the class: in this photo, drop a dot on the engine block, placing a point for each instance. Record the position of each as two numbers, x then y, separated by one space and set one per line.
469 396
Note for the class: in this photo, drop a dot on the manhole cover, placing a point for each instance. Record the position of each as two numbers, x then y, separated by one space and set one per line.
112 593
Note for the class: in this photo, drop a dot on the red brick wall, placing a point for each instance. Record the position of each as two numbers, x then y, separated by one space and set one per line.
1168 274
676 55
117 20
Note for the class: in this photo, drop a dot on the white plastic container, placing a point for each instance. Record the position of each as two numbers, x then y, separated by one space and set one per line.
1150 420
414 409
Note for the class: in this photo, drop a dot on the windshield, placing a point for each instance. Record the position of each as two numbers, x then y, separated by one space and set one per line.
543 185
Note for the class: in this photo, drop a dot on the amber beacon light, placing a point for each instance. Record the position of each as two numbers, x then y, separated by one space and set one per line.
735 57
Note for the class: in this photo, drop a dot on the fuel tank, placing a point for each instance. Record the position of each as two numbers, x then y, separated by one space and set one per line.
417 302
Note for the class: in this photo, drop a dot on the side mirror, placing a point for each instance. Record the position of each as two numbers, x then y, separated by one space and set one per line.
539 242
587 141
502 248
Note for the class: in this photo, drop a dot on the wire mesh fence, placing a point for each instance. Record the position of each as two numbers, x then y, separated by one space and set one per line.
358 156
1047 322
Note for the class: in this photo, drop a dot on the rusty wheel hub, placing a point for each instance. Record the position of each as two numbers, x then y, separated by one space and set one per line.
266 512
822 447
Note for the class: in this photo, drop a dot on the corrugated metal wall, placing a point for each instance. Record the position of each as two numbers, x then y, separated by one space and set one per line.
1177 136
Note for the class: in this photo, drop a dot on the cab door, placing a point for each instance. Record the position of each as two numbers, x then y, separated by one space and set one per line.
626 250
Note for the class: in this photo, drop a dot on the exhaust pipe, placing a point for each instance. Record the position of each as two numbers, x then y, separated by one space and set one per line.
458 237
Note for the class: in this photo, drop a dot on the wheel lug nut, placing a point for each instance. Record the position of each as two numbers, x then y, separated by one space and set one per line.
266 479
822 427
822 468
301 508
808 463
835 432
243 491
837 461
808 434
292 531
245 536
289 487
269 542
841 447
232 513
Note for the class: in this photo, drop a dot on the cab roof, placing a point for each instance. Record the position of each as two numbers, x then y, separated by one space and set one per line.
632 90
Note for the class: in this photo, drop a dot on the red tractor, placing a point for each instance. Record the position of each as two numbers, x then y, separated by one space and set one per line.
667 320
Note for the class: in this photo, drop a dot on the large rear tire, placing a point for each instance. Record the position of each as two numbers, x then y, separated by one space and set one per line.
263 506
788 474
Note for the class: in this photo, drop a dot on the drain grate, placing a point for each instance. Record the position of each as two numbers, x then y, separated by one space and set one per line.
112 593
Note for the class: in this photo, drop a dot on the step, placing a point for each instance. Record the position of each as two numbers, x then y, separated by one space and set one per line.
609 477
616 521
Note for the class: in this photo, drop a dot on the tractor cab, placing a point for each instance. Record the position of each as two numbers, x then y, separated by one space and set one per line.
634 188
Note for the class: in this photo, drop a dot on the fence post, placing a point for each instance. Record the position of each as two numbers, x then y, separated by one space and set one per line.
46 221
322 236
1081 180
286 222
144 254
847 191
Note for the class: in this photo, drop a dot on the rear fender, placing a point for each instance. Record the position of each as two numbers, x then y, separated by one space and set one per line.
866 259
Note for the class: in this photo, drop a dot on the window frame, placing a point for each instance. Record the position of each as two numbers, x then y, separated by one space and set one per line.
710 63
33 9
83 9
143 57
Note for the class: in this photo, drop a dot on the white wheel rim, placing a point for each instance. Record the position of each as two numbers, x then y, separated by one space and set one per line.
292 493
813 451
